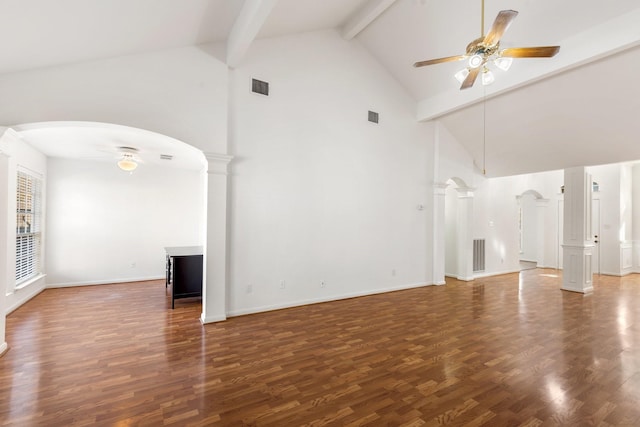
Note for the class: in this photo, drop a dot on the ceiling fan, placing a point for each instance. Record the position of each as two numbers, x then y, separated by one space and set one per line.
486 49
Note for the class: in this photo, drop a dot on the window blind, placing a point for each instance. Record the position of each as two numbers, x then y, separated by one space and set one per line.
28 226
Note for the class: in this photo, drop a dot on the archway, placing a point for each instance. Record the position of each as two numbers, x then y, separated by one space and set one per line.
117 215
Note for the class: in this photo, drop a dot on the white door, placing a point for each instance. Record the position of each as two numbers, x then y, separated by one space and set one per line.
595 224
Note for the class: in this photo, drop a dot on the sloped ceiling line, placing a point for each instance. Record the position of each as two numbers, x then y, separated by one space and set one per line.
252 17
613 36
364 17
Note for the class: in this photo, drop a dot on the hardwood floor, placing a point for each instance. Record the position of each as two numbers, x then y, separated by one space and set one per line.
509 350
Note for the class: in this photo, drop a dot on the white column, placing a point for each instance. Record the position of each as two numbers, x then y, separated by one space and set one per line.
438 232
578 236
214 292
464 231
541 215
4 270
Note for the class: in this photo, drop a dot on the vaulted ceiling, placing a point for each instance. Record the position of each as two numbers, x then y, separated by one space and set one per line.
579 108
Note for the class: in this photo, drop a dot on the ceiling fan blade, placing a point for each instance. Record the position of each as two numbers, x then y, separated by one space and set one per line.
500 25
440 60
530 52
471 78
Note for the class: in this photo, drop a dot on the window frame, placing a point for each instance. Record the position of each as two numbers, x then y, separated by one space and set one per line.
29 215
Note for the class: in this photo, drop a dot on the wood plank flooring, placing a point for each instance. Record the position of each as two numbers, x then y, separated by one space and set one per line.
511 350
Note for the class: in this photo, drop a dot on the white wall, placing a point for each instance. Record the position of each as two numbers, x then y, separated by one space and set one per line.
451 235
453 159
180 93
626 219
105 225
495 220
317 192
529 228
18 154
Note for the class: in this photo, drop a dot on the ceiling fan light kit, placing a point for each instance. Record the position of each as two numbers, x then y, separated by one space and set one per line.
485 50
487 77
128 162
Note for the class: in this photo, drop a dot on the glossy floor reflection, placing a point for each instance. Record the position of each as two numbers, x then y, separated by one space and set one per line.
507 350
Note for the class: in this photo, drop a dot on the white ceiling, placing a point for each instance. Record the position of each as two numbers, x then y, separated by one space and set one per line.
101 142
543 114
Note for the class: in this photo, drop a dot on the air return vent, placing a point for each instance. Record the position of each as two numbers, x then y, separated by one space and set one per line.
478 255
258 86
373 117
166 157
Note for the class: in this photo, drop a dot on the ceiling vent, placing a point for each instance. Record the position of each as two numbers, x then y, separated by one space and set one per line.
166 157
258 86
373 117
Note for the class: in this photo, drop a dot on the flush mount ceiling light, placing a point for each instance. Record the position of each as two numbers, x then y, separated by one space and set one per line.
485 51
128 161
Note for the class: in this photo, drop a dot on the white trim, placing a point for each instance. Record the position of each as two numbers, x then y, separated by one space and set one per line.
496 273
3 348
23 299
28 282
264 308
587 290
212 319
103 282
364 17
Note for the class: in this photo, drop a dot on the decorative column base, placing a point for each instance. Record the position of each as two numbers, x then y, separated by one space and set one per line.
577 273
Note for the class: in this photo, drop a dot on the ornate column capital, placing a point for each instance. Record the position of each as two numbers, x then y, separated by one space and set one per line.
439 188
465 192
218 163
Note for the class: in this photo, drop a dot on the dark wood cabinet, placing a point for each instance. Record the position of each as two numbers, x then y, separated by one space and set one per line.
184 271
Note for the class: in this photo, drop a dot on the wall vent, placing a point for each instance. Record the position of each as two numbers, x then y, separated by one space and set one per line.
478 255
166 157
258 86
373 117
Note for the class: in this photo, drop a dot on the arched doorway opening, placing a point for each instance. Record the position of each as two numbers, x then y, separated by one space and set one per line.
102 224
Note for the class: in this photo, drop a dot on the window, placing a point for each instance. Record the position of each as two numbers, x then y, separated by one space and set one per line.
28 226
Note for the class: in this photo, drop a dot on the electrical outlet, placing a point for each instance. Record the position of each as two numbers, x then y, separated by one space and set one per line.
322 284
249 289
393 272
282 284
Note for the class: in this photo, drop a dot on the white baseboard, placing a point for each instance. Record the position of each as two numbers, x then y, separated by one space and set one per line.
22 295
580 291
495 273
103 282
212 319
264 308
3 348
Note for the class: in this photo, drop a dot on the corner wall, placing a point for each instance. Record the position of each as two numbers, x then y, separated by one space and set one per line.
19 154
105 225
324 204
